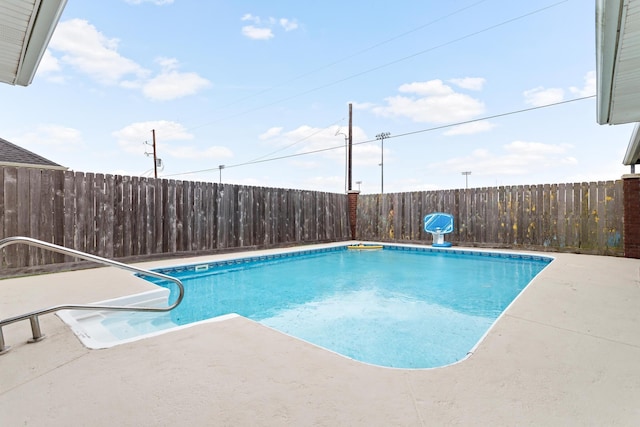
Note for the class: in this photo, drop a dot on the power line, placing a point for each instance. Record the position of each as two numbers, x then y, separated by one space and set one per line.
321 150
379 67
298 141
493 117
259 159
338 61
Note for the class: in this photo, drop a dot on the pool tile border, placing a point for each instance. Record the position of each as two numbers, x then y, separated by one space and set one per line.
204 266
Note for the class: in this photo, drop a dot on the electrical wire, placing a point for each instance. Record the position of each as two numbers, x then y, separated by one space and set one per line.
385 65
345 58
298 141
431 129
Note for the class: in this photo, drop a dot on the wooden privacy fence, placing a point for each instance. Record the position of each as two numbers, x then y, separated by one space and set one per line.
581 217
117 216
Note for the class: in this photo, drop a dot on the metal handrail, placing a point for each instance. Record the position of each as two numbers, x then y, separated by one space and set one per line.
33 316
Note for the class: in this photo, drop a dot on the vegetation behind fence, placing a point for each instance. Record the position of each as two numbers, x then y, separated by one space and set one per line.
117 216
581 217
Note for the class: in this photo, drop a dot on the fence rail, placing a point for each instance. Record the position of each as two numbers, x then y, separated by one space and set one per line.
579 217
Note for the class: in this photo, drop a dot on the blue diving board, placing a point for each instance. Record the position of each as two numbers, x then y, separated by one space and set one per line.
439 224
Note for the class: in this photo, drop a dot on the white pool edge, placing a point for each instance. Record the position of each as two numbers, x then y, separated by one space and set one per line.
86 325
159 297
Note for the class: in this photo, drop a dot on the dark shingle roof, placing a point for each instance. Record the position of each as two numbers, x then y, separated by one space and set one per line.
13 155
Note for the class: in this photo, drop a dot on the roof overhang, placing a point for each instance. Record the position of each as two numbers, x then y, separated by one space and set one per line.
618 61
618 68
26 26
632 156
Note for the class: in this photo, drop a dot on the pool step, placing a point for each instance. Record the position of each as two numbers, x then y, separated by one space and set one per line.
101 329
129 325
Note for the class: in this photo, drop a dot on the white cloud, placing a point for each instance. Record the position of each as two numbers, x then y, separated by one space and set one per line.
608 171
48 63
470 128
249 17
262 29
518 158
60 138
84 48
171 84
255 33
132 138
535 148
435 103
589 88
307 138
471 83
369 154
540 96
81 46
271 133
288 25
428 88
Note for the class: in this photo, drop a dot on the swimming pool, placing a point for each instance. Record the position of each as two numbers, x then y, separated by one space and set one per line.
404 306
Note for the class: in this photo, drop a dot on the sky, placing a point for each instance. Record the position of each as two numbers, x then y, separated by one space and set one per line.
257 93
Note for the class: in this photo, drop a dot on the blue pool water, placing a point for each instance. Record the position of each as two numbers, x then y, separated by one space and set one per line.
404 308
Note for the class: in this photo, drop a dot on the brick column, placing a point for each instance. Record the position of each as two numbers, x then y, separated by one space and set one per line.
631 215
353 211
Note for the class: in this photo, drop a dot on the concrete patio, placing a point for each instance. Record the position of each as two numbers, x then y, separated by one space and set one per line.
566 353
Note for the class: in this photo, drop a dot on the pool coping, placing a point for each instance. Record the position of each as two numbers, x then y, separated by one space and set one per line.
283 254
565 353
87 326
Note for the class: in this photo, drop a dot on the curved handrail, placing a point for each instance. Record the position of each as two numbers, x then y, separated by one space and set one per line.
33 316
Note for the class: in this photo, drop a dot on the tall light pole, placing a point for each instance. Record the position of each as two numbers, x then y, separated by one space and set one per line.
220 167
466 179
381 136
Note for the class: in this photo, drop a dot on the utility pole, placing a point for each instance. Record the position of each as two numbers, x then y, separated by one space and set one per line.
350 150
155 161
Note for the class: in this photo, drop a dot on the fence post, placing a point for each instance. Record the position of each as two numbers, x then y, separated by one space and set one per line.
631 230
353 211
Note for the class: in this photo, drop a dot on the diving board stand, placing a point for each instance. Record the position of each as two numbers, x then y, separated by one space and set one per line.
439 224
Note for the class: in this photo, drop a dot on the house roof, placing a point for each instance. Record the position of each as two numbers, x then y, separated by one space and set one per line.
26 27
13 155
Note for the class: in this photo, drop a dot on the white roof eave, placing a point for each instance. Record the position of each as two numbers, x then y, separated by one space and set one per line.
45 23
608 22
633 149
41 23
